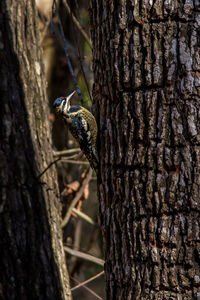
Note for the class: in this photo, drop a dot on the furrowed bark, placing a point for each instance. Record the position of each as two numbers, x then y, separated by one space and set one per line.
32 263
146 60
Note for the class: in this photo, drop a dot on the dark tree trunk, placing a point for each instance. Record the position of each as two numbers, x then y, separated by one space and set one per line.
147 100
32 261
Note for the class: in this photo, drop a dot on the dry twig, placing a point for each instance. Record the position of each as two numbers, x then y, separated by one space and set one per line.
65 152
43 34
87 281
76 22
75 162
49 166
88 289
68 159
85 256
84 216
66 48
77 197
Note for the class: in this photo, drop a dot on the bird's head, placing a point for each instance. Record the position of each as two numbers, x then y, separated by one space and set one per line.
62 104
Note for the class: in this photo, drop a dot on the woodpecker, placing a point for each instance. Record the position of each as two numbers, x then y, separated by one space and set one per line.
82 125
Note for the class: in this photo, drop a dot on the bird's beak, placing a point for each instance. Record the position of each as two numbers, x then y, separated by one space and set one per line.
69 97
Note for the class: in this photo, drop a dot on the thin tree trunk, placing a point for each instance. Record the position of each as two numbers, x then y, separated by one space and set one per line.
146 59
32 261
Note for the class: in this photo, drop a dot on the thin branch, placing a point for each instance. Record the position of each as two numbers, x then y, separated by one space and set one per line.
84 216
75 162
65 152
76 22
83 72
77 42
49 166
84 256
87 281
69 159
76 243
43 34
54 30
66 52
77 197
44 19
88 289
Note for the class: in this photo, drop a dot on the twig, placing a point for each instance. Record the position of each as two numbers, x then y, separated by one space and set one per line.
77 43
83 216
45 20
84 256
76 243
77 197
88 289
87 281
66 52
76 22
75 156
46 25
69 159
49 166
82 69
55 30
76 162
65 152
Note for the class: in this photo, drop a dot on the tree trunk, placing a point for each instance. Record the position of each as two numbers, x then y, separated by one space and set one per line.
146 59
32 261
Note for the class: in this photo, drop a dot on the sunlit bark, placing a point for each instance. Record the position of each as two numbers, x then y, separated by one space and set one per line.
32 261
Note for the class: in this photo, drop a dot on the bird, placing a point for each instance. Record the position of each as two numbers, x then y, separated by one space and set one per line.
82 125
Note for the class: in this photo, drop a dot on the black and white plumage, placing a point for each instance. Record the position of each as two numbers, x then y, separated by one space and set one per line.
82 125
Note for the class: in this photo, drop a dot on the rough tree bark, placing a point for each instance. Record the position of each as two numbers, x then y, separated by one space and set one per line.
146 57
32 261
